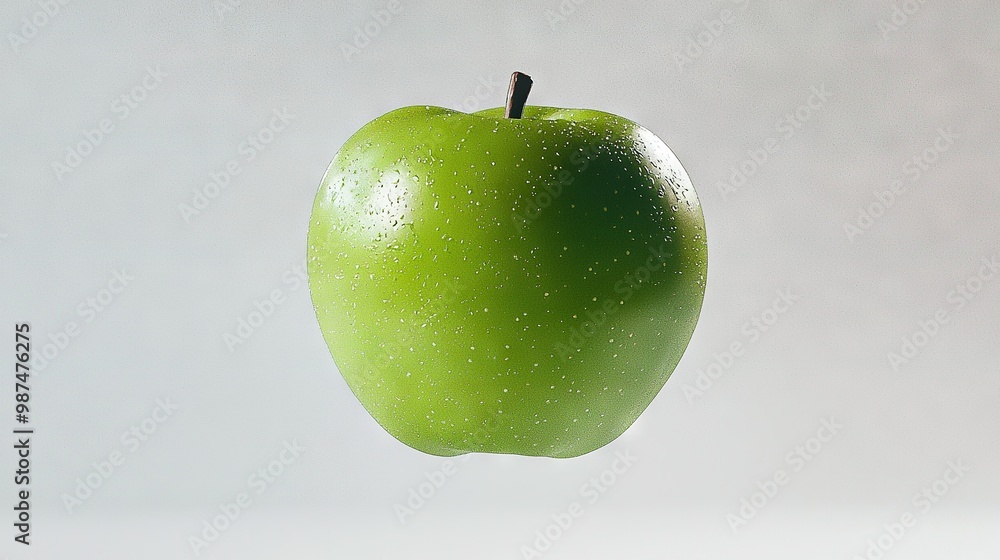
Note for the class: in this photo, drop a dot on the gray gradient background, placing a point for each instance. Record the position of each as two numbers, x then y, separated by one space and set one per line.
61 241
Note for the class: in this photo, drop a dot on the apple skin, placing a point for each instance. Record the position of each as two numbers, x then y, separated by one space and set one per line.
521 286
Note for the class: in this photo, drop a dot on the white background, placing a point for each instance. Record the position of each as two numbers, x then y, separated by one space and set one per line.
892 87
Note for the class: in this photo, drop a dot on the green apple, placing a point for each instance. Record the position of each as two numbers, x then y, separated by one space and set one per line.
506 285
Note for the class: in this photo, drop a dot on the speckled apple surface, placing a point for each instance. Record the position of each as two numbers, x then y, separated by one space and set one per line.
519 286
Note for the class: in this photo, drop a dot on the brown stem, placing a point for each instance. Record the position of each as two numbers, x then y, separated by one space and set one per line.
517 95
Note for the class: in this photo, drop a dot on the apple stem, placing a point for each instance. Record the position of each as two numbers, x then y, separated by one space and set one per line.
517 95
